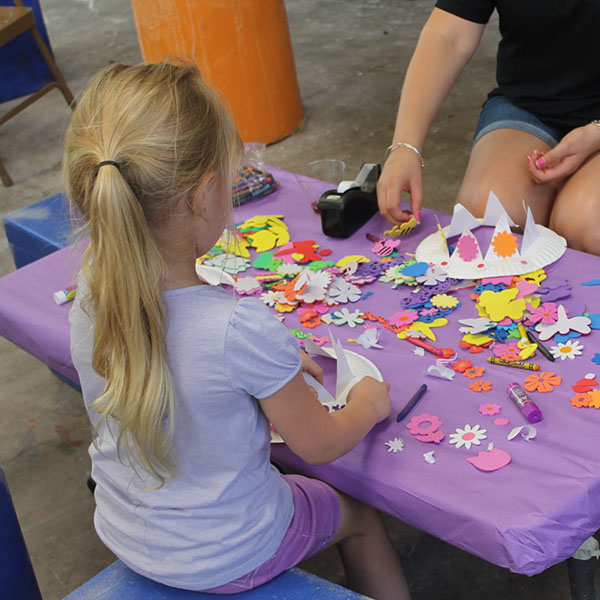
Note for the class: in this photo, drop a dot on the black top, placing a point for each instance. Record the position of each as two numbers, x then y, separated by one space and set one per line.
548 58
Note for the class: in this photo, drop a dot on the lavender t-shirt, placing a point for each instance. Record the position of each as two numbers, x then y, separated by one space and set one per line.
226 510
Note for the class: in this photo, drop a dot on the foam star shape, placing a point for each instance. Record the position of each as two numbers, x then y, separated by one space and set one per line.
395 445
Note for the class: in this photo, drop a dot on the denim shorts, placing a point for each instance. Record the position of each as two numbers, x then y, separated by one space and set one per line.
500 113
315 522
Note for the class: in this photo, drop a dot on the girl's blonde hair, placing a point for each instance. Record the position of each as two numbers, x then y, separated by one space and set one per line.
165 130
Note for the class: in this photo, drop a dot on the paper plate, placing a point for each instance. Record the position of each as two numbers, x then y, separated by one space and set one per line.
213 275
360 366
548 248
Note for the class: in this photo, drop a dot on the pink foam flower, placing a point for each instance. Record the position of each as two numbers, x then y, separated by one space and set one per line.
510 348
547 314
406 317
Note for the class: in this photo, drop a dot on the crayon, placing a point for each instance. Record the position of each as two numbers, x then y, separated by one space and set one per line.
517 364
411 403
540 346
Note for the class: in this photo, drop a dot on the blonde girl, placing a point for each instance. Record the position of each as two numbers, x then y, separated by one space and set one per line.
180 379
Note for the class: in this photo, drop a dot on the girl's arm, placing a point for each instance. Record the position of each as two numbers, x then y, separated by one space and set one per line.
445 45
319 437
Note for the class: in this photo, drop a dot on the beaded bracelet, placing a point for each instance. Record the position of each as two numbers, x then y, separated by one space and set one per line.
596 122
405 145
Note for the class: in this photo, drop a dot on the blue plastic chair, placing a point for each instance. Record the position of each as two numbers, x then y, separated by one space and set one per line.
17 579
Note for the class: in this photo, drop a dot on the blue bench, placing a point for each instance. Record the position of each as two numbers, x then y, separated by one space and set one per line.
118 582
39 229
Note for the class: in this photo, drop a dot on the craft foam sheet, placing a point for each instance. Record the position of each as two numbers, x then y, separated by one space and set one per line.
538 248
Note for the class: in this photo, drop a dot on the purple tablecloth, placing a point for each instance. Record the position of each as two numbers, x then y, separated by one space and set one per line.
527 516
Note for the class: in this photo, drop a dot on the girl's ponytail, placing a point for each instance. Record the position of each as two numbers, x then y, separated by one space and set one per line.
140 141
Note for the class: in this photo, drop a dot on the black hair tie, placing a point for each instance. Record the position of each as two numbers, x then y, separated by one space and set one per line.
108 162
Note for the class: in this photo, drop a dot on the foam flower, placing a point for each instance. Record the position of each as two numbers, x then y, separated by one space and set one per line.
345 317
432 276
489 409
501 349
547 314
406 317
474 372
467 436
460 366
542 382
343 291
395 445
570 349
505 244
444 301
481 386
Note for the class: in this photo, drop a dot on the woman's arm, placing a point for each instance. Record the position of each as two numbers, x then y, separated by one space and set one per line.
319 437
446 44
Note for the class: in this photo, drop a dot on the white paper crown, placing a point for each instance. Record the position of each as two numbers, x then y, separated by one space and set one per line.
540 246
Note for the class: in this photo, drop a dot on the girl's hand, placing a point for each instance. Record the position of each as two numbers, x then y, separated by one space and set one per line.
401 173
311 367
567 156
374 392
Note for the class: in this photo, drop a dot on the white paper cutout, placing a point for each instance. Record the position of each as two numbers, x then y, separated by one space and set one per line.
429 457
351 368
462 220
369 338
213 275
418 351
494 210
502 228
441 371
528 432
467 249
530 236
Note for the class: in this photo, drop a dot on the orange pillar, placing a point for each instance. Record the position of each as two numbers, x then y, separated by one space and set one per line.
243 50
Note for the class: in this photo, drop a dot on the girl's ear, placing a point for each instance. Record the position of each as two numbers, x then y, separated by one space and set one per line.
196 199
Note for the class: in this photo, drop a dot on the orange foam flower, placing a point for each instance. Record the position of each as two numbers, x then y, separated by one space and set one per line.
481 386
544 382
505 244
460 366
510 357
474 372
580 400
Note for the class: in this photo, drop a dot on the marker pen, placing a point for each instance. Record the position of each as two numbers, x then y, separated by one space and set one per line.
517 394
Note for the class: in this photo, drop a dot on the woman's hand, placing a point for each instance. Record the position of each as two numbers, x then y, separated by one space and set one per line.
567 156
311 367
401 173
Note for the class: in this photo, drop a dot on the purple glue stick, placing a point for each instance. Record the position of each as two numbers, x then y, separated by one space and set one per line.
517 394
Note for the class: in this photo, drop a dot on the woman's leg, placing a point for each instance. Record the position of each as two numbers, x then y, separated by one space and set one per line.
370 561
576 211
498 163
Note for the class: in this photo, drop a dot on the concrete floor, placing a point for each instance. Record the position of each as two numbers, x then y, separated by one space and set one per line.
350 60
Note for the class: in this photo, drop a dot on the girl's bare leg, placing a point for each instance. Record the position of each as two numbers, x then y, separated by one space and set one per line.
370 561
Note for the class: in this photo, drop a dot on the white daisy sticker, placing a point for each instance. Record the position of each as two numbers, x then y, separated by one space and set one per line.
395 445
570 349
468 436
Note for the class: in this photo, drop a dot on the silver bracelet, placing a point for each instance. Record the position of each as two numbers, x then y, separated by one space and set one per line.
411 147
596 122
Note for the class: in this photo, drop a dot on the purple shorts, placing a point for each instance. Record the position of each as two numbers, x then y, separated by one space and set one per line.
316 520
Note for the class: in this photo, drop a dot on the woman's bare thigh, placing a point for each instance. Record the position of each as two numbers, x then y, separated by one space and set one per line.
498 163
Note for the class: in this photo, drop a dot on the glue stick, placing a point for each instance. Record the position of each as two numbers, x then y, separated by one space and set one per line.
518 395
66 295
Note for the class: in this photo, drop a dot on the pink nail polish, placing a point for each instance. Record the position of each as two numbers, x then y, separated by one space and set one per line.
418 215
540 163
